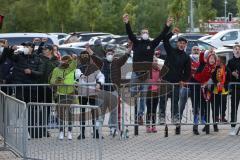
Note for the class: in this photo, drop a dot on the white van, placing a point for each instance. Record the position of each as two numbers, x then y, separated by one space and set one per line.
18 38
225 37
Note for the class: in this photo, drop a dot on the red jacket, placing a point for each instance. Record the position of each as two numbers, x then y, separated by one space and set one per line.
204 71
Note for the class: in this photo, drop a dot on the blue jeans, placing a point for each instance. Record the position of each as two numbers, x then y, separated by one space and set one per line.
136 89
174 95
183 97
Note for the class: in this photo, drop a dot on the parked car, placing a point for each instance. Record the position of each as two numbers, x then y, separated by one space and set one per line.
75 44
84 36
70 50
222 38
226 51
202 45
18 38
205 38
189 36
59 35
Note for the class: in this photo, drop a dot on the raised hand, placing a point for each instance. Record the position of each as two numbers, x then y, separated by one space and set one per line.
88 49
176 30
170 21
125 18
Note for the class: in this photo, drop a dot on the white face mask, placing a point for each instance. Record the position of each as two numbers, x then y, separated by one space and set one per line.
109 58
145 36
1 49
236 53
25 51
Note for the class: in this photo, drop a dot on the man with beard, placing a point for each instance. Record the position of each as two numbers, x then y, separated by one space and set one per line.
179 65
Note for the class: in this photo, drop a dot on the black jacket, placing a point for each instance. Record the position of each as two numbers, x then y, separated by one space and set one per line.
48 66
111 71
234 65
22 62
177 62
6 66
143 50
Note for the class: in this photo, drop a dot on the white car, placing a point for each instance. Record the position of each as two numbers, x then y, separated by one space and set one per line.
204 38
59 35
75 44
225 37
226 51
18 38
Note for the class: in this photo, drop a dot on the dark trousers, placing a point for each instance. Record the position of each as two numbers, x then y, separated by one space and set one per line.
219 107
199 104
174 96
235 98
84 101
152 103
195 98
36 114
45 95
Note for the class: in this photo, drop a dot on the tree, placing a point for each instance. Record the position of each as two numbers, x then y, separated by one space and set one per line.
59 12
219 6
26 16
151 14
205 11
178 10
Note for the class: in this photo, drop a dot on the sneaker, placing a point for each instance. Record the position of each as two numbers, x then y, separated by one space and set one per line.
113 132
69 136
207 128
178 130
224 120
162 121
195 130
154 129
81 137
61 136
232 131
29 137
148 130
204 129
140 120
215 128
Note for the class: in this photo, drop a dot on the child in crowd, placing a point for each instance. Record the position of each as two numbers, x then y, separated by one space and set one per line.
201 92
152 97
220 77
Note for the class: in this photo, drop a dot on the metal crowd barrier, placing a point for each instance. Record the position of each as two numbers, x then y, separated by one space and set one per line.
44 146
37 127
2 104
211 109
48 111
13 124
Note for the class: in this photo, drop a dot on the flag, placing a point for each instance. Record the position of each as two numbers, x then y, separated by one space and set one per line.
1 21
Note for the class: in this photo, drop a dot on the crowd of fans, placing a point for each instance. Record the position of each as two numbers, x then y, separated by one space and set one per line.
203 76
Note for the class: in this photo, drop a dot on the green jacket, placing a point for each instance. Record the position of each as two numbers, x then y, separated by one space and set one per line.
49 65
64 76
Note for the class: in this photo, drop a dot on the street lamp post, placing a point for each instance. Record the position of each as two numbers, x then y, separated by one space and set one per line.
225 10
191 16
